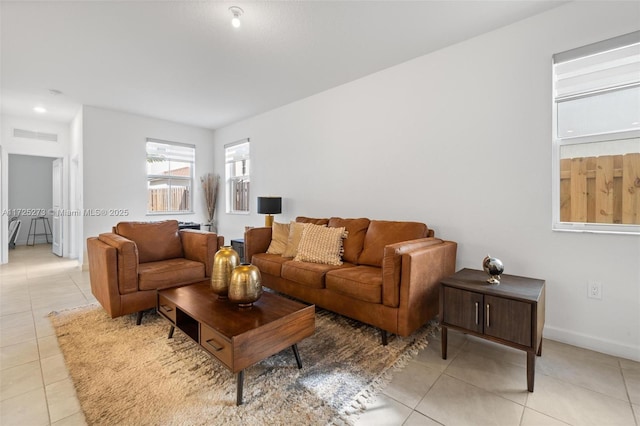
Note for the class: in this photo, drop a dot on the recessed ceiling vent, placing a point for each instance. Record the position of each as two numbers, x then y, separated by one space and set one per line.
30 134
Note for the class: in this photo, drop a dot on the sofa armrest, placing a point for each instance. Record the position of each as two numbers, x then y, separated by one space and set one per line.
392 267
256 240
200 246
422 271
127 261
103 273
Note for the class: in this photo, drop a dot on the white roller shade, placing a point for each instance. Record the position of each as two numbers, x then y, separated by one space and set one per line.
608 65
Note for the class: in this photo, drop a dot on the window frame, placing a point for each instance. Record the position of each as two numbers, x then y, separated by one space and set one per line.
559 142
173 178
229 204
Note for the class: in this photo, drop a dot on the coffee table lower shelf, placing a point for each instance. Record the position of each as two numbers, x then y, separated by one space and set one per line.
236 337
240 374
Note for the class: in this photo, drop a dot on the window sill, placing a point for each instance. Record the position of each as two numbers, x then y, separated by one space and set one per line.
167 213
597 228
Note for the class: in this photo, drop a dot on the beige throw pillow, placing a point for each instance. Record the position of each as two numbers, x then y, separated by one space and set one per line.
295 233
320 244
279 238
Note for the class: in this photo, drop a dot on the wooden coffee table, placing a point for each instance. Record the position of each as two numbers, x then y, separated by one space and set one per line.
236 337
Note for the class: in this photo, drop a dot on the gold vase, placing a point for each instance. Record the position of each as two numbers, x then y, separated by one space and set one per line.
246 285
224 261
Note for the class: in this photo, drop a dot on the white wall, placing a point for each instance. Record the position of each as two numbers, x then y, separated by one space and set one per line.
461 140
30 187
12 145
114 165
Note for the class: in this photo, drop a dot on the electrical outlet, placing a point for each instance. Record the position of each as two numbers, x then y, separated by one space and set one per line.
594 290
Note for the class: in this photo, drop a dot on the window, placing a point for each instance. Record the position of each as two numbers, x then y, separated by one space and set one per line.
596 153
169 177
237 171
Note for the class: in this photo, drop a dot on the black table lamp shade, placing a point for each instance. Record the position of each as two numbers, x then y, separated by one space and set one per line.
269 205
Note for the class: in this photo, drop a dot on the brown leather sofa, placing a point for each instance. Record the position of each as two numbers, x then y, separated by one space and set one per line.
390 276
126 266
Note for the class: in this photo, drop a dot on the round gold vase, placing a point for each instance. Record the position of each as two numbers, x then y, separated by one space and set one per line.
246 285
224 261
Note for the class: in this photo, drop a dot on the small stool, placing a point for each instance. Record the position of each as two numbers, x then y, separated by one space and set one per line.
34 226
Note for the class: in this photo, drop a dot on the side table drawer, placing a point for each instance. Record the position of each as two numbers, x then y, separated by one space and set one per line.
217 345
167 308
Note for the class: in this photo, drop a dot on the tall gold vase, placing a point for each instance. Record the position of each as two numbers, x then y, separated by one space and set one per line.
224 261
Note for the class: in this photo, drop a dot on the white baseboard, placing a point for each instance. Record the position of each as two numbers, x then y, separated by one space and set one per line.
593 343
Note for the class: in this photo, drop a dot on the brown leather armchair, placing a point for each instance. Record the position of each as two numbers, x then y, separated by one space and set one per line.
126 266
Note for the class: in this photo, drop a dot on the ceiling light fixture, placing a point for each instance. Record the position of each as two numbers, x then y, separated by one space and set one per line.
40 109
237 13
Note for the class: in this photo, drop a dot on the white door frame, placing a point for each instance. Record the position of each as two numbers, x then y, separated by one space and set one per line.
57 231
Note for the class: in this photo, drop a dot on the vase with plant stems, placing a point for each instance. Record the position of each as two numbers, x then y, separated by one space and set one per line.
210 184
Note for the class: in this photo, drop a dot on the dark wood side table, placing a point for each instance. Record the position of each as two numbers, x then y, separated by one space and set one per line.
238 246
510 313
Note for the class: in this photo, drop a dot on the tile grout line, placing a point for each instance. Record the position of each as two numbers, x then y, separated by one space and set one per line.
626 388
44 387
628 399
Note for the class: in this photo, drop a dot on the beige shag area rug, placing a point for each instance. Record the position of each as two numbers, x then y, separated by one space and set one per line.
134 375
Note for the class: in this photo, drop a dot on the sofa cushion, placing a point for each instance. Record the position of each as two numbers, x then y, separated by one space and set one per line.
169 273
360 282
308 274
269 263
155 240
382 233
279 238
295 233
314 220
320 244
356 229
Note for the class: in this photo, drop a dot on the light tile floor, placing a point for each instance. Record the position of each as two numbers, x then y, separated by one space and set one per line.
481 383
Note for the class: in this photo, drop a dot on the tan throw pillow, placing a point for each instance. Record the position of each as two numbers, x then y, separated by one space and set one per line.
279 238
320 244
295 233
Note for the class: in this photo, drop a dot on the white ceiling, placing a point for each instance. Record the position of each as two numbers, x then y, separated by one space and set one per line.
183 61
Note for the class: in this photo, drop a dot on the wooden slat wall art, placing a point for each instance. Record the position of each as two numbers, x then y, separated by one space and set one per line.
604 189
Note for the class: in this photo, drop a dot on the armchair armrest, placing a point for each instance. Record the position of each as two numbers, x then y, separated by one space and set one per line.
127 261
200 246
103 271
256 240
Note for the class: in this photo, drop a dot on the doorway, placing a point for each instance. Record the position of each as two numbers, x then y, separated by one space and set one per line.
35 199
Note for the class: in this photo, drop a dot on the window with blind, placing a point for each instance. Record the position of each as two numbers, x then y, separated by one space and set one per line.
596 153
237 173
170 171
